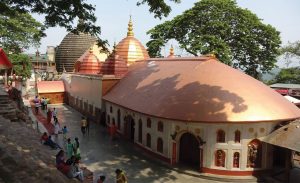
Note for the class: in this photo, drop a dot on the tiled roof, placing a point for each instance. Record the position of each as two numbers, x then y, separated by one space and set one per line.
4 62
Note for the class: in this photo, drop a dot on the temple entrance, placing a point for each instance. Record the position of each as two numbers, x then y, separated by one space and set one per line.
189 152
129 128
279 156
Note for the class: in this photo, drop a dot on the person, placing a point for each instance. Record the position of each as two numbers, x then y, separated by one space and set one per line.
75 171
60 159
44 138
87 129
101 179
69 148
113 131
76 148
71 160
51 143
54 114
65 131
45 103
120 176
49 116
37 105
42 103
56 130
83 125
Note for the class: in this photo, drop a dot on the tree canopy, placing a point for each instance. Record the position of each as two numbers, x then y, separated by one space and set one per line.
21 64
236 36
288 75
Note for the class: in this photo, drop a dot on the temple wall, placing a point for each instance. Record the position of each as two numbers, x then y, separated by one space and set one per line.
207 132
84 94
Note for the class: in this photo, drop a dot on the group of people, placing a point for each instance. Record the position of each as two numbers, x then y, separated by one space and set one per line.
120 177
43 103
69 167
47 140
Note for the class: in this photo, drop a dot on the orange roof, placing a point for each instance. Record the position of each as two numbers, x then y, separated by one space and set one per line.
199 89
50 87
4 62
90 64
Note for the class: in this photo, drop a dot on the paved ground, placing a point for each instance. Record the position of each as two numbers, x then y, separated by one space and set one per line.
102 156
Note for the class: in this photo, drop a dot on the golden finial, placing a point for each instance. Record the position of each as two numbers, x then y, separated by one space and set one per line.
91 49
130 28
171 50
212 54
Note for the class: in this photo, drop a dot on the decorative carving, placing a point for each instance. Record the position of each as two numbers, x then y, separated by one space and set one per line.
220 158
173 136
254 154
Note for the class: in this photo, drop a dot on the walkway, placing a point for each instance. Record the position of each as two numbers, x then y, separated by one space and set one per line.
102 156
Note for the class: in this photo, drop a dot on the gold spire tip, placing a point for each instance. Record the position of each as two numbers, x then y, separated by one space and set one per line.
171 50
130 28
91 49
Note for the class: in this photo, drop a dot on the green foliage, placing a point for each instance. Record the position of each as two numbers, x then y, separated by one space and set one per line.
158 7
57 13
292 48
289 75
236 36
19 30
21 64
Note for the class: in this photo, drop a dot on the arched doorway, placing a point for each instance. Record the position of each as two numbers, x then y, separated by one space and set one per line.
189 152
129 127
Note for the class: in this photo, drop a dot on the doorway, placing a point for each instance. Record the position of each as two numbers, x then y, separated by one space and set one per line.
189 152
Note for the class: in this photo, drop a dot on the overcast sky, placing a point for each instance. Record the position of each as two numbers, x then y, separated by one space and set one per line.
113 16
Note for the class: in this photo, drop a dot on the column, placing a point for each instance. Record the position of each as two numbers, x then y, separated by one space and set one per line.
174 153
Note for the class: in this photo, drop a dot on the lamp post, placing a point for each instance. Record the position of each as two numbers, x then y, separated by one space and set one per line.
37 54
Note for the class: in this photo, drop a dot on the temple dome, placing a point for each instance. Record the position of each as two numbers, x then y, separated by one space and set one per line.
131 49
114 65
70 49
198 89
90 64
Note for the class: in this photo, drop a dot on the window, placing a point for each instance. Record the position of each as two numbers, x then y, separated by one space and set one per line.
254 154
237 136
148 122
160 126
148 140
221 136
140 131
110 109
160 145
119 119
220 158
236 160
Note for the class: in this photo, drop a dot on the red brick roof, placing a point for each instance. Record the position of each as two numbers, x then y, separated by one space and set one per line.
50 87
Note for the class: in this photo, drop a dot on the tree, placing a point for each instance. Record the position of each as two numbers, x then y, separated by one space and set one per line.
57 13
21 64
18 31
292 50
288 75
236 36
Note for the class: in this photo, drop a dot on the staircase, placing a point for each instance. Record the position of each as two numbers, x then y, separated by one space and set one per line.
7 109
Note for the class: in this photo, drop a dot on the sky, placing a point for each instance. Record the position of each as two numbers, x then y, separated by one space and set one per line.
113 17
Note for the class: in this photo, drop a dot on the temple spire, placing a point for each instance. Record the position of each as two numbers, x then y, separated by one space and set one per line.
171 52
130 28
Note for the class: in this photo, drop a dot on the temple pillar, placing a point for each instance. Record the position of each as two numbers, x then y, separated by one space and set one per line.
174 153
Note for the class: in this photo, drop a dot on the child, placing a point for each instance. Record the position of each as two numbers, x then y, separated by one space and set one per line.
65 131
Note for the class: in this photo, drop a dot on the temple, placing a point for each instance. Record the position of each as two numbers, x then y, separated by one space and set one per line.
194 111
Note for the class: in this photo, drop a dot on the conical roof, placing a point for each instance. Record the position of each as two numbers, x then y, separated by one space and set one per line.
71 48
131 49
4 62
90 64
115 65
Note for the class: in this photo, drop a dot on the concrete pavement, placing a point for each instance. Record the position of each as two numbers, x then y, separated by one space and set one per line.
102 156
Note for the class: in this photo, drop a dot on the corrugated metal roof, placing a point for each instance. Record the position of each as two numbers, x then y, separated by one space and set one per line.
283 85
287 136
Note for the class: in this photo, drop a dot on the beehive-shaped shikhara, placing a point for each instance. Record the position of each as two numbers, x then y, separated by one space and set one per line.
70 49
131 49
90 64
